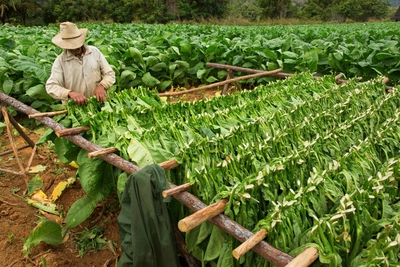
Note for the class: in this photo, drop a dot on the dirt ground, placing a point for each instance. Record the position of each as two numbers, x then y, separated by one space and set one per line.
18 219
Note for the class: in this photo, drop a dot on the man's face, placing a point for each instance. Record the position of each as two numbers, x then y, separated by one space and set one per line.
76 51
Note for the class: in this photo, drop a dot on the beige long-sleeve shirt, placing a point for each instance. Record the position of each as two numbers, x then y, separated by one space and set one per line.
70 73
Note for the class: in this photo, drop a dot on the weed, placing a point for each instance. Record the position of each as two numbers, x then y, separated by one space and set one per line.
90 240
11 237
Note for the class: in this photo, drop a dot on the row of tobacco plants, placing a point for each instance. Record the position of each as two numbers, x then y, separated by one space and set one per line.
165 56
313 162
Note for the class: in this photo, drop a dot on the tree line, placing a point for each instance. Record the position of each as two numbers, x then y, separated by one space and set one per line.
44 12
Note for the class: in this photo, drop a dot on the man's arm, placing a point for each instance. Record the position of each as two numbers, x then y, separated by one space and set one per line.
107 73
55 84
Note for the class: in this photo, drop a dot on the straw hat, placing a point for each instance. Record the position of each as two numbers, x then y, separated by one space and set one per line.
70 37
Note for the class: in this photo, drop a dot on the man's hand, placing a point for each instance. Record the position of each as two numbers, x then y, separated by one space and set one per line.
100 93
78 98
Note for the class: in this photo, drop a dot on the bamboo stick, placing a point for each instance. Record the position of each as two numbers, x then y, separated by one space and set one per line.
249 244
72 131
175 190
48 114
305 258
197 218
265 73
102 152
268 252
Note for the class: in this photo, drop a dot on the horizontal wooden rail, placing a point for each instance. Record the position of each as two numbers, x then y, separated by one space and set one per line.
265 250
280 74
260 74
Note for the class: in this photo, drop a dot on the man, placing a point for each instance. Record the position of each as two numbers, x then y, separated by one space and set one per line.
80 71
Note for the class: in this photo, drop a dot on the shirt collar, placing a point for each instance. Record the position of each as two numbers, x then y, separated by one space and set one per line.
69 56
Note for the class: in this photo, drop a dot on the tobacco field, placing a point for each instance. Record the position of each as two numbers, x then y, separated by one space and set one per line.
314 162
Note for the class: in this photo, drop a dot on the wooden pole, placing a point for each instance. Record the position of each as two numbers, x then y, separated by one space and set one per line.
197 218
249 244
175 190
10 136
265 73
268 252
48 114
276 73
304 259
102 152
28 166
72 131
20 131
11 151
12 172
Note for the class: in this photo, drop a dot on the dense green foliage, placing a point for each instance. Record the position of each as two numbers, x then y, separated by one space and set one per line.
30 12
313 162
162 56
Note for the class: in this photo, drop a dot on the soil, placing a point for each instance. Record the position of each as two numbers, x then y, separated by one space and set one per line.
18 219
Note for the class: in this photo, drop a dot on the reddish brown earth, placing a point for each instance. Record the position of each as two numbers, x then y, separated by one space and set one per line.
18 219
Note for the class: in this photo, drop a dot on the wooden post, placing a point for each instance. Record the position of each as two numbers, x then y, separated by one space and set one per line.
305 258
249 244
175 190
197 218
102 152
72 131
48 114
28 166
385 80
20 131
10 136
169 164
337 77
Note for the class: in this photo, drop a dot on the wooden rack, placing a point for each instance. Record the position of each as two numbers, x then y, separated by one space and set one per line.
10 121
202 212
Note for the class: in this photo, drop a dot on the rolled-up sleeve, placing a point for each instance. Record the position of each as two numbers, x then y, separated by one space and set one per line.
55 84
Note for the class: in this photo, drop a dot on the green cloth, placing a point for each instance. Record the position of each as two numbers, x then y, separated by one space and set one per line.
146 233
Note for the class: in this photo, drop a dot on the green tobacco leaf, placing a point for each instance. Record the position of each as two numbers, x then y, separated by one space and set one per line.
35 184
47 231
215 244
121 183
7 86
135 54
139 154
80 211
96 176
149 80
38 91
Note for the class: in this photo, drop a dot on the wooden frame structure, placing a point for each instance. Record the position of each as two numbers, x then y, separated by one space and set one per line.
202 212
10 121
